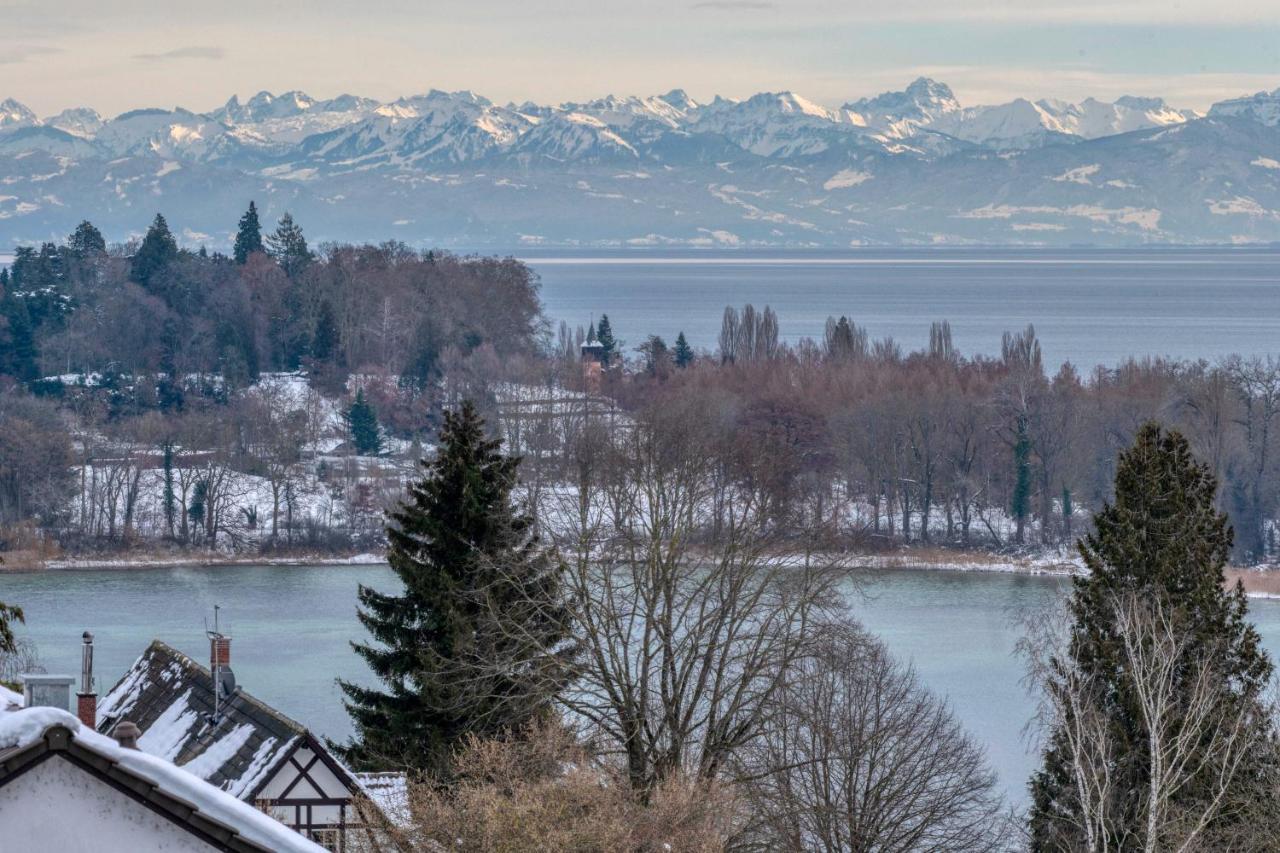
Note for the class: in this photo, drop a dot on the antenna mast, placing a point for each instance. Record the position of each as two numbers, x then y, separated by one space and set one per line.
217 654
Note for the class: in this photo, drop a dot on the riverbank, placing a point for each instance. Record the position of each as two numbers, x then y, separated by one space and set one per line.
172 560
1258 582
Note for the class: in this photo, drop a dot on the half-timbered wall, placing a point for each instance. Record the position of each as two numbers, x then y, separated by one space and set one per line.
306 795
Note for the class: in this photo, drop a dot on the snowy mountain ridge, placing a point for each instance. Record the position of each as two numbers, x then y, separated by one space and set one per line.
454 168
770 123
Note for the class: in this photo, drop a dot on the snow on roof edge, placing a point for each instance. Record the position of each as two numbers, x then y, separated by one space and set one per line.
24 727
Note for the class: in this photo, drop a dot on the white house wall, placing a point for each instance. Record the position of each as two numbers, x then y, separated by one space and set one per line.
56 806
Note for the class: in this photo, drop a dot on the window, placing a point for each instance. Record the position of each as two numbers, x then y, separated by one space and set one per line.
329 839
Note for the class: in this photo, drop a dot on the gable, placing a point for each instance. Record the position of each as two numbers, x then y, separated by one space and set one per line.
59 806
304 775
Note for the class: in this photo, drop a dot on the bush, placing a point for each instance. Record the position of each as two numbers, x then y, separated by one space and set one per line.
544 791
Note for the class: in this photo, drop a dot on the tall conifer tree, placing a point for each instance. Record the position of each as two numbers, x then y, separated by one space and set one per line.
324 343
604 334
158 250
475 643
248 235
1020 500
288 246
1163 539
683 353
362 423
86 241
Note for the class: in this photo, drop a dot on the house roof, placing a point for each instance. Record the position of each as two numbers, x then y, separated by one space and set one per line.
170 698
30 736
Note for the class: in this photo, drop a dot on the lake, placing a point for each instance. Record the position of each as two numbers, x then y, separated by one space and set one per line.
1089 306
291 626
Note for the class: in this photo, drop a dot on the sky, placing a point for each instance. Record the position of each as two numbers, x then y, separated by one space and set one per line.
116 55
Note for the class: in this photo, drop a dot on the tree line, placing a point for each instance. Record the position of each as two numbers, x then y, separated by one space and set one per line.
150 308
634 685
130 402
932 446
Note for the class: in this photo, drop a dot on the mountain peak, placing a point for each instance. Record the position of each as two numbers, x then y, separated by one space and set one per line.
15 114
923 102
680 99
928 89
1263 107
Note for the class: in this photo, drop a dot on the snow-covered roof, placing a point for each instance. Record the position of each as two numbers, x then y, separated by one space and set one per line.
389 793
170 698
27 734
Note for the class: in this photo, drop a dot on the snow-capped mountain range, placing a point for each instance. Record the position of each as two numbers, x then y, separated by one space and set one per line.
775 169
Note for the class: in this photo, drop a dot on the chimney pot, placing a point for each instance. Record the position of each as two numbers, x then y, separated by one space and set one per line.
87 699
127 734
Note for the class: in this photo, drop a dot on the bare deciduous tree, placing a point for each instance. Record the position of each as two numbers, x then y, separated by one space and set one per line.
858 756
1198 740
685 641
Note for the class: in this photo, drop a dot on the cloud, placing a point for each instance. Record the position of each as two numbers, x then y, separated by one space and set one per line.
16 53
734 5
183 53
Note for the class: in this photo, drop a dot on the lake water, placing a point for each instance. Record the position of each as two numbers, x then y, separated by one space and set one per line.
291 626
1089 306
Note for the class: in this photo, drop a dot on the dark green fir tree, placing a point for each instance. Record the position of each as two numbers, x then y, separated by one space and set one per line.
289 247
683 353
157 251
9 614
1163 540
324 342
18 350
475 641
1020 500
604 335
248 235
362 423
86 241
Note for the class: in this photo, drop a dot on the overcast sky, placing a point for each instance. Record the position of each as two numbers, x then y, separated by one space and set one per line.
116 55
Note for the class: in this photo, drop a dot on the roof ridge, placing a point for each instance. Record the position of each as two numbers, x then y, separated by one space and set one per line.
191 663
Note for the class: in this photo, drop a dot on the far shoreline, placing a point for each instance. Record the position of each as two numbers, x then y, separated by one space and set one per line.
1259 583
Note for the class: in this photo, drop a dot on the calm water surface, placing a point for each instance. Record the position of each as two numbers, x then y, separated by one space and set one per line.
1089 306
292 625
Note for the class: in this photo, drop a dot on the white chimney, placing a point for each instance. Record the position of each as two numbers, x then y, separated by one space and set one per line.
87 698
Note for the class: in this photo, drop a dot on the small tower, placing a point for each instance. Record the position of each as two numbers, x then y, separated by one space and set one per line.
593 356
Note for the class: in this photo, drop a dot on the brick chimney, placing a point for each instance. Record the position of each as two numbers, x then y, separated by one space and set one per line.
219 652
87 698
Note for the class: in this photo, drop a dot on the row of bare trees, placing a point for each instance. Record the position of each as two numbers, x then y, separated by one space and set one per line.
722 698
934 447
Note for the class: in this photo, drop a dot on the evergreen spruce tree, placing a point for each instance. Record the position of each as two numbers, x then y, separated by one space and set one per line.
604 334
9 614
18 355
324 343
248 235
1163 539
170 498
1020 501
1068 510
157 251
362 423
475 642
683 353
86 241
289 247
